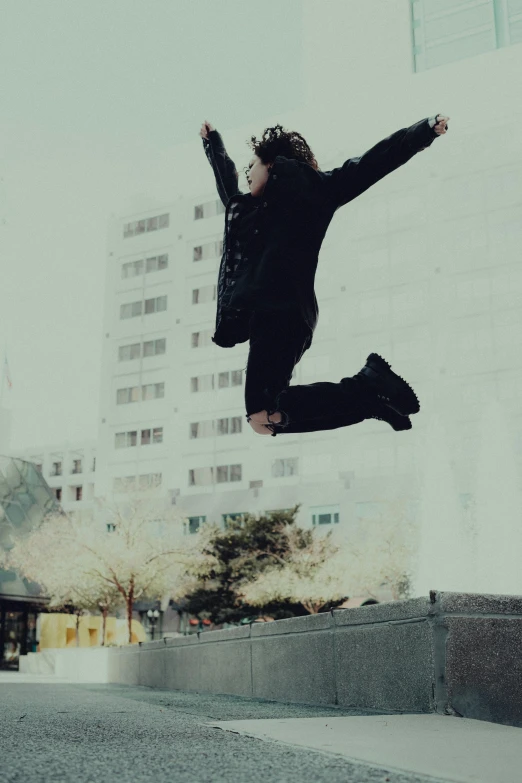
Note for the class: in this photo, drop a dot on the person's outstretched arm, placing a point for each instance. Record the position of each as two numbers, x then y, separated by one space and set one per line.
224 169
358 174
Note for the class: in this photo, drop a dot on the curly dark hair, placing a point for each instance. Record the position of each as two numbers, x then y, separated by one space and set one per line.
278 141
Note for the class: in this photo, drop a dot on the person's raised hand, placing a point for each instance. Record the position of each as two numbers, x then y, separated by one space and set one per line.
441 124
205 129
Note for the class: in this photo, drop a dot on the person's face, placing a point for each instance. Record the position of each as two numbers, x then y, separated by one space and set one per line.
257 175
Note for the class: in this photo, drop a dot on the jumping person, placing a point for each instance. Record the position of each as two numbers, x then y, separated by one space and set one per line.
272 239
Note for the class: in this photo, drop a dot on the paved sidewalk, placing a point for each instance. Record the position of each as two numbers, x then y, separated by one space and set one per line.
468 751
61 732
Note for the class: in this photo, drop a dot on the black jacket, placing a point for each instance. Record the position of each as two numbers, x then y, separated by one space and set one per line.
288 223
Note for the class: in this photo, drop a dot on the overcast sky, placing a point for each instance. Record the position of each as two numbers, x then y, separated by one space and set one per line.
93 94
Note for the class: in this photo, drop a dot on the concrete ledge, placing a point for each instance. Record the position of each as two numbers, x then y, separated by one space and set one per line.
416 608
312 622
182 641
470 603
451 653
242 632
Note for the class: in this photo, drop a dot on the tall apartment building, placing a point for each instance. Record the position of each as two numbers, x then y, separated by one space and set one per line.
423 268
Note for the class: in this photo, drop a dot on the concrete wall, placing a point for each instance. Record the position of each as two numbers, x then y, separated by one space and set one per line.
456 654
452 653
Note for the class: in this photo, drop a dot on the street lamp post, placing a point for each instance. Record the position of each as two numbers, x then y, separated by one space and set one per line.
153 615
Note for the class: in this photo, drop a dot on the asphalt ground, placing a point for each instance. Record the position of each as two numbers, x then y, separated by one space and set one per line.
77 733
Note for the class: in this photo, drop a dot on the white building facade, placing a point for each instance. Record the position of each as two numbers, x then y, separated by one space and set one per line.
423 268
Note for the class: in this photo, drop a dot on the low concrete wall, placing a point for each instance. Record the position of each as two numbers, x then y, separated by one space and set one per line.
451 653
76 664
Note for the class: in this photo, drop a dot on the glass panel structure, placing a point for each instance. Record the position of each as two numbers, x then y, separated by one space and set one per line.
25 501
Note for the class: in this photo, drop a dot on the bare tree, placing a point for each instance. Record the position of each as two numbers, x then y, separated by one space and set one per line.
311 573
137 553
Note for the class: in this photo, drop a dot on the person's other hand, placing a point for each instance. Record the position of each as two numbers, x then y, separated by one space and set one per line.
441 125
205 129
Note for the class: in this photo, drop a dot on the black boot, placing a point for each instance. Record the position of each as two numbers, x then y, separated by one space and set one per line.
397 422
387 387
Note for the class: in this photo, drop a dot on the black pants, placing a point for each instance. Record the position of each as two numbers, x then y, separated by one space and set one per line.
278 341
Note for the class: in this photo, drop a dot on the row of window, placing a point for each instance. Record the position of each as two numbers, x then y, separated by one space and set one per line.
148 391
208 209
145 265
137 350
207 429
449 30
132 483
143 226
56 469
223 473
322 515
124 440
200 383
157 304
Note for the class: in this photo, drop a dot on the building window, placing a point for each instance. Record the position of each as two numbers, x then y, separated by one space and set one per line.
157 436
223 474
202 383
142 226
38 467
58 493
156 305
151 264
227 473
128 352
130 310
235 517
208 209
208 250
222 426
233 378
223 380
325 515
200 477
204 295
142 482
201 339
77 466
236 425
56 470
124 440
153 391
202 429
229 426
78 493
193 524
131 394
448 30
285 467
127 439
154 347
132 269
